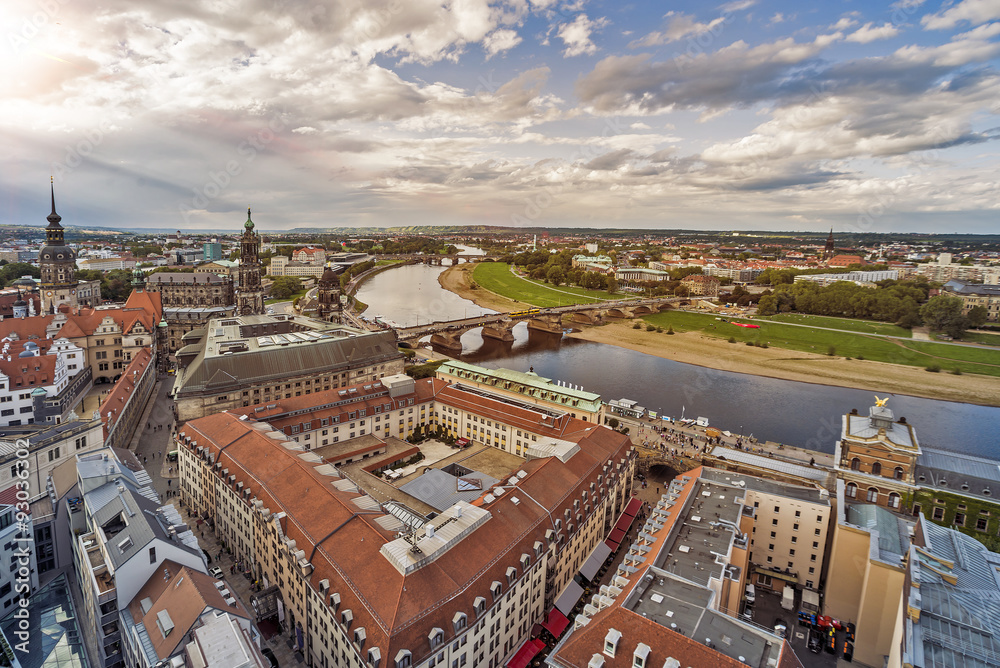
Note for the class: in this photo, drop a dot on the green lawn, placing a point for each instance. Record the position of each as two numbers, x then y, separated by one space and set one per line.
496 277
846 344
862 326
982 337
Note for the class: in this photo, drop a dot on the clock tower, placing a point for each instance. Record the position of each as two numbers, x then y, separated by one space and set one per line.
57 262
250 293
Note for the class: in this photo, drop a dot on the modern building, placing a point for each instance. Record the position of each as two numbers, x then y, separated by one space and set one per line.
48 446
862 278
282 266
640 274
57 262
528 387
124 538
973 294
18 565
181 320
250 292
461 586
876 457
236 362
211 251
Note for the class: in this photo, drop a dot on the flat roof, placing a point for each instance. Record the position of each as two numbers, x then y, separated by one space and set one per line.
770 464
763 485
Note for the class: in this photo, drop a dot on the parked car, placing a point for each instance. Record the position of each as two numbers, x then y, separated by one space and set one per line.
215 572
781 628
751 594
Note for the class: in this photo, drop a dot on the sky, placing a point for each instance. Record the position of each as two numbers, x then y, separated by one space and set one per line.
746 115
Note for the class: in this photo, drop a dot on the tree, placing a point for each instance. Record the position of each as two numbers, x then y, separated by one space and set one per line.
285 286
768 305
944 314
15 270
556 275
977 316
612 285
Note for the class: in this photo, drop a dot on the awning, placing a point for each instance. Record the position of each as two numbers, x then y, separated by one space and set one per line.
556 622
612 544
569 597
632 509
528 651
616 535
593 564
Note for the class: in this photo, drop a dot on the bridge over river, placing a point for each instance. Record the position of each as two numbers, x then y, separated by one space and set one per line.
499 326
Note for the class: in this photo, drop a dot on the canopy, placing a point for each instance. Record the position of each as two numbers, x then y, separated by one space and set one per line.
569 597
632 509
615 536
594 562
556 622
528 650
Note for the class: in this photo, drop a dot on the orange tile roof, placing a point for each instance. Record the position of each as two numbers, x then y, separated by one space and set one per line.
29 371
399 610
26 328
185 595
120 393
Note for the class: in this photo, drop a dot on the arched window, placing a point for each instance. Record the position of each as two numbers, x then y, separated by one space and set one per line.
851 491
872 495
894 500
877 468
855 464
897 473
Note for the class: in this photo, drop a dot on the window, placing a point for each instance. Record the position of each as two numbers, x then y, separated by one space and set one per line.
916 509
815 544
894 500
809 584
897 473
152 555
777 509
851 491
959 519
938 514
812 557
855 464
791 552
872 495
982 523
774 522
771 546
877 468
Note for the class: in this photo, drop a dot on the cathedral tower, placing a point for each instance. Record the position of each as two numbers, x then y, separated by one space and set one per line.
328 294
57 262
250 293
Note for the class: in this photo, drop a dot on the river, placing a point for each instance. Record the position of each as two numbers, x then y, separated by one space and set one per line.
794 413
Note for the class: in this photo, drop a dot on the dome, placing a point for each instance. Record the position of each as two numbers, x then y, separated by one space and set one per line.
57 254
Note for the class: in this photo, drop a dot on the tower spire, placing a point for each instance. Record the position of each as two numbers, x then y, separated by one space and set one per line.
53 217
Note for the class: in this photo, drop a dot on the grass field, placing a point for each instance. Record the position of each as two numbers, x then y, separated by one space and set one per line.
845 344
861 326
982 337
497 277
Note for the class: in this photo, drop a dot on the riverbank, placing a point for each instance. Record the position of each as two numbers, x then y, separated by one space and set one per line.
717 353
458 279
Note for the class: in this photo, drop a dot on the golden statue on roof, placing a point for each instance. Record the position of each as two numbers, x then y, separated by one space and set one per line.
880 403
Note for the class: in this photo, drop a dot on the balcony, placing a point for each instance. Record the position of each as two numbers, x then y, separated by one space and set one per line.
102 580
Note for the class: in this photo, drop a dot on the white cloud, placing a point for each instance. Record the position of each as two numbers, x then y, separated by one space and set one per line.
844 23
869 32
777 18
577 35
972 11
737 6
679 27
499 41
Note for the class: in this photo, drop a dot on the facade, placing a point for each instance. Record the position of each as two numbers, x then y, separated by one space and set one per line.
329 306
281 266
866 574
211 251
246 360
627 274
57 262
972 294
876 458
863 278
464 588
88 293
310 255
699 285
105 263
181 320
250 293
959 491
197 290
19 572
48 447
123 407
40 382
224 268
736 274
528 387
123 539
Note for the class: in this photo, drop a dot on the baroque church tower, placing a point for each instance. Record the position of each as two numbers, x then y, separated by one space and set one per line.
57 262
328 295
250 293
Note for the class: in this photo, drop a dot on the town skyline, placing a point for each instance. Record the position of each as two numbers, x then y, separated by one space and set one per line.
752 114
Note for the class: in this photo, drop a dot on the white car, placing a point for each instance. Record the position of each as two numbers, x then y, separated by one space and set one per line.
215 572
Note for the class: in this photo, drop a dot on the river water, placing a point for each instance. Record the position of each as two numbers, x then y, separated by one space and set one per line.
794 413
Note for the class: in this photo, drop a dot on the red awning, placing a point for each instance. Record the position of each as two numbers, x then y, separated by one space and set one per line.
612 544
632 509
527 652
616 535
462 442
556 622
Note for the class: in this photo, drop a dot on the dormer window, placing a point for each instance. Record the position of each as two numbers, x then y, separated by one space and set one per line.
460 622
346 618
479 606
360 636
403 659
495 589
511 575
436 637
640 655
611 642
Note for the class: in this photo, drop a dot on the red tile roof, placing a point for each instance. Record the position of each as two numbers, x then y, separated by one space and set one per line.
117 399
29 371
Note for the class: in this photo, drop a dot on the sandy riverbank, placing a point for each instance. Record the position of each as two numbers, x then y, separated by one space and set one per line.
716 353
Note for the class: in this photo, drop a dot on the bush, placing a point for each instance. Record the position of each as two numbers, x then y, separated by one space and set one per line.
861 357
637 325
659 330
749 343
670 329
732 339
956 371
764 345
831 351
934 368
650 328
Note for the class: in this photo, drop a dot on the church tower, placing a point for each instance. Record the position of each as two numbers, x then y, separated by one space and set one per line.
57 262
829 251
328 294
250 293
